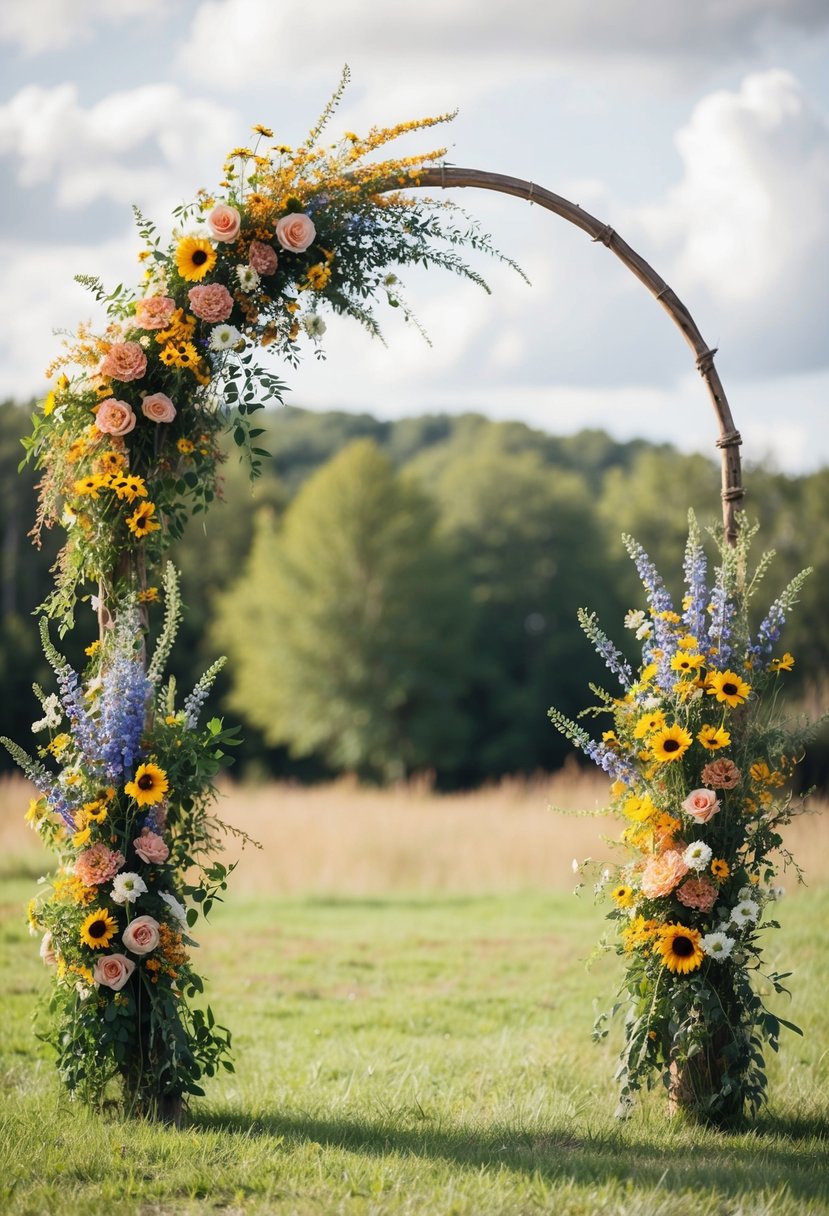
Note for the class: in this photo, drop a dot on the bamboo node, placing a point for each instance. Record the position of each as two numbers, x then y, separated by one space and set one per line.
606 235
731 439
705 361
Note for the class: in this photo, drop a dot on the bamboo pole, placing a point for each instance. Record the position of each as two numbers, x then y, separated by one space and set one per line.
446 176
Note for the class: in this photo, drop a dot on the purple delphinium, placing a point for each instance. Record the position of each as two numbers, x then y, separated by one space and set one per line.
698 598
719 631
659 601
123 707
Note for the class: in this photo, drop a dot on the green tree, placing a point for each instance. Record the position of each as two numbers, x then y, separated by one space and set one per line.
527 535
347 630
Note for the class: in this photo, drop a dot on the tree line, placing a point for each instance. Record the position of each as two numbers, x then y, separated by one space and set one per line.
401 597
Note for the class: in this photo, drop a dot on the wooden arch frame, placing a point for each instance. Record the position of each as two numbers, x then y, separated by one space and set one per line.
446 176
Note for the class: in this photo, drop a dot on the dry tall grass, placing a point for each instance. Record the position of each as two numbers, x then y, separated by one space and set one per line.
341 838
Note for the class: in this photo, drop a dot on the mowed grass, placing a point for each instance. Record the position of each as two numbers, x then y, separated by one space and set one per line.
406 1047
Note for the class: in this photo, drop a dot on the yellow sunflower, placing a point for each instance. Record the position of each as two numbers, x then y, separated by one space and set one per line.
148 786
687 663
185 446
141 522
195 258
129 487
648 723
98 929
88 486
786 663
623 896
720 869
670 743
680 948
713 737
728 687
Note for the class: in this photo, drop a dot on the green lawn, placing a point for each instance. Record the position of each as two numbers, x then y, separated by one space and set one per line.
417 1055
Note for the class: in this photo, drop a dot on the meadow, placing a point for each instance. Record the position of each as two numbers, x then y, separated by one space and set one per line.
406 978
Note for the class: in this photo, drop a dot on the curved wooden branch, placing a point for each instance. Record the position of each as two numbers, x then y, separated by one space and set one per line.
729 440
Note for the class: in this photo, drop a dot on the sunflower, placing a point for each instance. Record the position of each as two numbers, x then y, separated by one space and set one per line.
680 948
648 723
179 354
110 462
720 869
129 487
728 687
185 446
670 743
684 662
88 486
195 257
786 663
713 737
623 896
141 522
148 786
98 929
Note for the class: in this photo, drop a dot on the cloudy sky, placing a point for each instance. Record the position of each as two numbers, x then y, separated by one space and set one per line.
699 131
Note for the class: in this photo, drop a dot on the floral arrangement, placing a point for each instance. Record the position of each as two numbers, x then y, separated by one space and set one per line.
702 756
129 442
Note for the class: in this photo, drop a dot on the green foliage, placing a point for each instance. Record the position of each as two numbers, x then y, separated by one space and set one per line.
347 632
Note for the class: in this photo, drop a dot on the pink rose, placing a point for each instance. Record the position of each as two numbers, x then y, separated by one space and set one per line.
262 258
295 232
701 805
113 970
158 408
224 222
155 312
150 847
141 935
212 302
123 361
114 417
47 949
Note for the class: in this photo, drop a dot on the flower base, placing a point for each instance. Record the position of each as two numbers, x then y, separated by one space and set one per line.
696 1088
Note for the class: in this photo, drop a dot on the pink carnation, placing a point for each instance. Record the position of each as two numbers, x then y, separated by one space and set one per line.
662 873
97 864
150 847
700 893
211 302
263 258
124 361
114 417
723 774
224 222
155 312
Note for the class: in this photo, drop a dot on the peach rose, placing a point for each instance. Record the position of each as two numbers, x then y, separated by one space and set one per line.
113 970
661 874
150 847
141 935
155 312
158 408
211 302
295 232
224 222
114 417
123 361
701 805
263 258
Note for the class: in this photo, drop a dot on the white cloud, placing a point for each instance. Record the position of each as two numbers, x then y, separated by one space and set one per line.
150 145
236 41
47 25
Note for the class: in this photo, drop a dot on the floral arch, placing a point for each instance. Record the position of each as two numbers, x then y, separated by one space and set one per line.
128 445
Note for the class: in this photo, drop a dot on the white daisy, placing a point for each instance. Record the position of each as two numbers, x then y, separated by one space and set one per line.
634 618
127 887
745 913
697 855
224 337
717 945
248 278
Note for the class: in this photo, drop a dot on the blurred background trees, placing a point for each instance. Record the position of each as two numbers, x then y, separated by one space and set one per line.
399 597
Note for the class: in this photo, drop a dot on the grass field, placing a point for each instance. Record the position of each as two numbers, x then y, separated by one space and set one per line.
405 977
